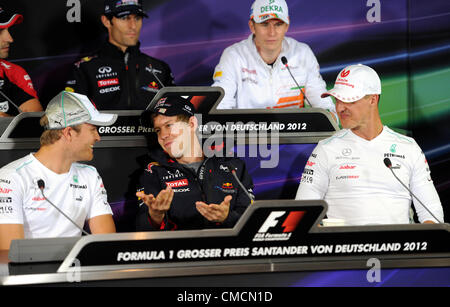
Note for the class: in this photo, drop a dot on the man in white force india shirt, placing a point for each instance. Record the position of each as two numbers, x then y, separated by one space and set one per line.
252 73
348 170
77 189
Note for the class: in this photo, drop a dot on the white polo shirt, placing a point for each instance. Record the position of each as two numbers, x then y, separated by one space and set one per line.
250 83
349 173
80 194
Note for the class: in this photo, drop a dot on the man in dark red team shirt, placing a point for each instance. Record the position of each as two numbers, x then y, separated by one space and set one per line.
17 91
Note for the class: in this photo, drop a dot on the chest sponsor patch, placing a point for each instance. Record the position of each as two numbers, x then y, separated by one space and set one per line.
6 209
177 183
227 185
4 106
347 166
108 82
109 89
183 190
5 190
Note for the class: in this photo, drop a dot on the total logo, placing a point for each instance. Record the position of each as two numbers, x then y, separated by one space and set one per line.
177 183
276 228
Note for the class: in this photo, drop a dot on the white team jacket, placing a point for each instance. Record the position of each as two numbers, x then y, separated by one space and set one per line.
349 173
250 83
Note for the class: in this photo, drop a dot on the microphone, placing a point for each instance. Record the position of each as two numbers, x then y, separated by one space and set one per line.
10 101
151 69
233 172
285 63
41 185
388 164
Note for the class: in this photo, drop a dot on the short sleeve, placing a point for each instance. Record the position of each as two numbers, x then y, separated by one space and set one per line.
11 198
100 205
314 180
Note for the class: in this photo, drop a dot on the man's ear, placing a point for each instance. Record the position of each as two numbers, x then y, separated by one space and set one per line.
251 25
106 22
66 133
375 99
193 122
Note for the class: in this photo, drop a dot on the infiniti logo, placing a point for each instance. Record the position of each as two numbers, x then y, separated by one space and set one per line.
105 70
224 168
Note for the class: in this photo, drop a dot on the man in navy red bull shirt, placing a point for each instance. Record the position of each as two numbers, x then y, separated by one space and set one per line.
181 188
119 76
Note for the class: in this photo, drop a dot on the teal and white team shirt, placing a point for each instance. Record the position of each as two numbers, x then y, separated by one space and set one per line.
348 172
80 194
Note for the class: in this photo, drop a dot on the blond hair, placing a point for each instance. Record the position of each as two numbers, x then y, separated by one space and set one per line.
51 136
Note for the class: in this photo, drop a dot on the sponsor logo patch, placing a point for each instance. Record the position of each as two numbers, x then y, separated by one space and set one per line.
108 82
177 183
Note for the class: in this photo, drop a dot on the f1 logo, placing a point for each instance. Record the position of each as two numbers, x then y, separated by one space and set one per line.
289 224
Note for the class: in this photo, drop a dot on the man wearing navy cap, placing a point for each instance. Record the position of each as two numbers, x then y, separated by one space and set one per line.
17 91
119 76
181 188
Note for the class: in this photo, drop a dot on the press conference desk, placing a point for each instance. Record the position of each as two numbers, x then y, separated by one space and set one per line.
332 272
251 254
247 255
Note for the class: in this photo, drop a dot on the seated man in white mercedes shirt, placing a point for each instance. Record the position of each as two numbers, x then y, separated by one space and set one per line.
252 72
349 169
70 123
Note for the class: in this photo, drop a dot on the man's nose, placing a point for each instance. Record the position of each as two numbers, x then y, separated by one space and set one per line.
340 106
164 133
132 23
6 36
272 30
97 137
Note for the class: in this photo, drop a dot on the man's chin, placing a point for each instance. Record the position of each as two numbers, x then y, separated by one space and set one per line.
175 154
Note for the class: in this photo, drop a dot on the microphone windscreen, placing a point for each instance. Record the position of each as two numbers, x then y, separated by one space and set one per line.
41 184
284 60
387 162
